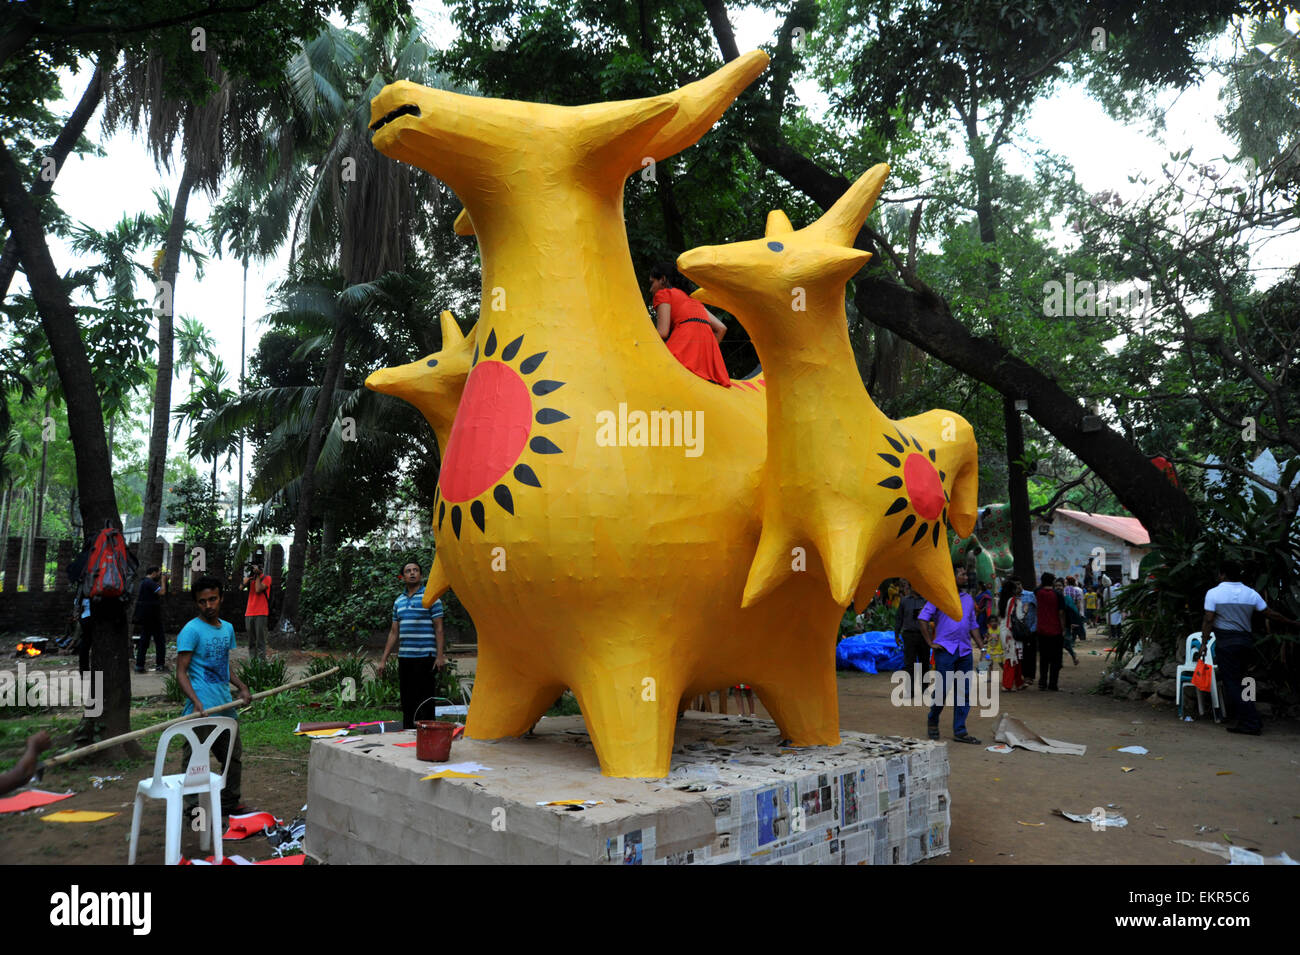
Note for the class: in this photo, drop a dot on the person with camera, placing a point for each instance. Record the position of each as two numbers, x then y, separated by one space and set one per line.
257 609
148 615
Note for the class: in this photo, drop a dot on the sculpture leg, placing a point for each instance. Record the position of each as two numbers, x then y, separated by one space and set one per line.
508 698
802 697
631 716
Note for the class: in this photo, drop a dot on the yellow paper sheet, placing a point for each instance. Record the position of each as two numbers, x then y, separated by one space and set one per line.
322 734
77 815
450 774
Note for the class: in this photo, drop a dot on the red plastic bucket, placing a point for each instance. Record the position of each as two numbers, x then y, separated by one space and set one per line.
433 740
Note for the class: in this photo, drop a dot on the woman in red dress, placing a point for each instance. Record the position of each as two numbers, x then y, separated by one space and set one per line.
689 329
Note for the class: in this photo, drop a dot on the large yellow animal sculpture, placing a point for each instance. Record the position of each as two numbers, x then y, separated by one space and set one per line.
613 523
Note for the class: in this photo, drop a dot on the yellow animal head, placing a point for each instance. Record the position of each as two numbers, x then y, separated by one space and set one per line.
433 383
769 274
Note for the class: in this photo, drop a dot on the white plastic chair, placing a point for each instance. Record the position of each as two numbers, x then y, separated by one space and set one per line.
1183 675
197 778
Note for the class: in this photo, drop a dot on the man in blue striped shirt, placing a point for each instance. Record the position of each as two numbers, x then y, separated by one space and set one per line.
417 635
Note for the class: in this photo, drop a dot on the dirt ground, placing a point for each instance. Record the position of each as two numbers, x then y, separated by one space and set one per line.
1196 775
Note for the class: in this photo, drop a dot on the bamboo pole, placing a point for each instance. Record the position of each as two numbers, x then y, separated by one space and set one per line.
136 734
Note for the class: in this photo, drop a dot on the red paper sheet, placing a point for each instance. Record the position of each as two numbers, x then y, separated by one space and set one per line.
31 799
241 827
283 860
403 745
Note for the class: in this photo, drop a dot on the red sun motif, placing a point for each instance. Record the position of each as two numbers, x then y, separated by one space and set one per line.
924 488
489 433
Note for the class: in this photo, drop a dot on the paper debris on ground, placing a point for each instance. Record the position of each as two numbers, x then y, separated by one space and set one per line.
450 774
243 826
1135 750
459 770
584 803
30 799
1031 823
286 839
77 815
99 781
322 734
1000 748
1109 820
1237 855
1015 733
1126 769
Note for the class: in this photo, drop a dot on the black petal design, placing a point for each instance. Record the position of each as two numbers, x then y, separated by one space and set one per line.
894 444
442 512
490 345
508 353
890 459
932 457
474 360
943 476
935 535
920 532
893 482
545 386
908 521
455 520
501 494
529 364
544 446
476 512
525 475
549 416
898 505
432 363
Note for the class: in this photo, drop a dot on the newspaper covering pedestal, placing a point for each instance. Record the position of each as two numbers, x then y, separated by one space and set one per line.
734 795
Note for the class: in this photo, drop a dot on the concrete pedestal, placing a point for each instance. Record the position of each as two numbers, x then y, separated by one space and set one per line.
734 795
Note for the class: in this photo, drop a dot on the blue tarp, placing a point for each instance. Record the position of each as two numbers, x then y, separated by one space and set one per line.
872 652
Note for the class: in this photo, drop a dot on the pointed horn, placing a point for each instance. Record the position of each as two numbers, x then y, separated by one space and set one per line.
778 223
438 583
451 334
462 225
842 221
701 103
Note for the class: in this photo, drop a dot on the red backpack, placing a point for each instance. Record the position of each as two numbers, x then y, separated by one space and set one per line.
107 568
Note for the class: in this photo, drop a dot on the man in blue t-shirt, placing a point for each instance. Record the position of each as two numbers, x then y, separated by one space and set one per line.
417 634
203 670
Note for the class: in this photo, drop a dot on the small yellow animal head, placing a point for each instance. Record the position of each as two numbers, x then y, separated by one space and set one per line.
433 383
769 274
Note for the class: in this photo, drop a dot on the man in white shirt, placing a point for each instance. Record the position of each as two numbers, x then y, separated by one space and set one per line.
1228 611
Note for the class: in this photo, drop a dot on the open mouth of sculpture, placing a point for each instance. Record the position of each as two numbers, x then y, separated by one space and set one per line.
410 109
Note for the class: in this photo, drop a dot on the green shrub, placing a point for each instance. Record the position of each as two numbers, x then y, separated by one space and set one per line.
172 689
259 675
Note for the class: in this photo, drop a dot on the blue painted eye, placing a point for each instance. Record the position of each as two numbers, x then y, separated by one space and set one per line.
432 363
775 246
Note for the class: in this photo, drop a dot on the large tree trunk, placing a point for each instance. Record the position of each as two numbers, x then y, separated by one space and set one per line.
67 138
1022 536
924 319
307 490
111 649
162 395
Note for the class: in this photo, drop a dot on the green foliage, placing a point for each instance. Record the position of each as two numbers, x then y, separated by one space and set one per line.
259 675
348 595
566 705
172 692
1166 603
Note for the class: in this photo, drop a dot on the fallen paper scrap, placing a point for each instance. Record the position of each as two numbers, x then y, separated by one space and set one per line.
1015 733
30 799
1000 748
1224 772
1031 823
573 802
450 774
1111 820
77 815
1237 855
312 727
1135 750
283 860
405 745
241 827
99 781
322 734
1126 769
467 767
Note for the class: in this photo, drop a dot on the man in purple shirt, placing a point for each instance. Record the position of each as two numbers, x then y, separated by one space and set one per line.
951 641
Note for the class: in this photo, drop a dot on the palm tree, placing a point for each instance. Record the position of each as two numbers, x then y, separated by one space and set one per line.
202 404
359 225
208 132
